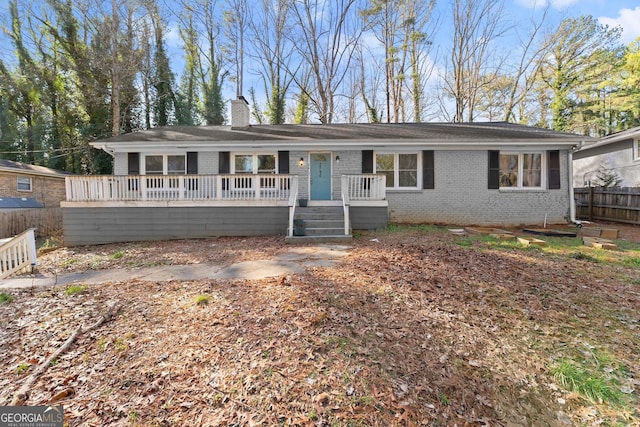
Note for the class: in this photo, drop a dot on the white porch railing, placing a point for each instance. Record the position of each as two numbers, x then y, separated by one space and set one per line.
180 187
371 187
18 253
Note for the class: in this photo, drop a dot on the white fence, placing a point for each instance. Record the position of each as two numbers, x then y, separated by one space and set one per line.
18 254
180 187
364 187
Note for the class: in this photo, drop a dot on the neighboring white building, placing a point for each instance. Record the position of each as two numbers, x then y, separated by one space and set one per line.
619 153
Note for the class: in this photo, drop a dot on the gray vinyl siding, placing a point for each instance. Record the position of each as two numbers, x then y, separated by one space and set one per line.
368 217
616 156
95 225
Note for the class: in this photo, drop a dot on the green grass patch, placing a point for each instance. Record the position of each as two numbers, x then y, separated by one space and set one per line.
75 289
23 367
117 255
465 242
595 374
590 383
632 262
202 299
583 257
399 228
5 298
68 262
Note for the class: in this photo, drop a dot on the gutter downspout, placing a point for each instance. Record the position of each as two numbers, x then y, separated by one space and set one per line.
572 197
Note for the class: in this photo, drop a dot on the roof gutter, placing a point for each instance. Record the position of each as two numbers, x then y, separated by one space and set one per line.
104 148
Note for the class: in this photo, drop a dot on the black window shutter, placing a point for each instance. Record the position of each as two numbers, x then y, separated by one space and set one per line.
192 163
554 170
494 170
224 162
367 161
428 170
133 163
283 162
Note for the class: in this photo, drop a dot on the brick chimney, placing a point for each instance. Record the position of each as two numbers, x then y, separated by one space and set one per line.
239 113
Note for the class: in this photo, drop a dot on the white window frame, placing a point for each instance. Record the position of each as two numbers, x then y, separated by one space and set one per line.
543 170
636 150
165 163
30 189
396 171
254 156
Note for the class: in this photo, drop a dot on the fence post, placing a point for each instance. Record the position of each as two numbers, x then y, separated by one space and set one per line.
590 203
31 248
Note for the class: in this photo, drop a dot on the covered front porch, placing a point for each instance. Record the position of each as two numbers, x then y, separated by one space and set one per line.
119 208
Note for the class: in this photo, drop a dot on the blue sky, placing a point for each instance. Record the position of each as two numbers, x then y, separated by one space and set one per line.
623 13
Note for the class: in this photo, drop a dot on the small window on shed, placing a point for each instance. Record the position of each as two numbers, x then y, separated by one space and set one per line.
636 149
24 183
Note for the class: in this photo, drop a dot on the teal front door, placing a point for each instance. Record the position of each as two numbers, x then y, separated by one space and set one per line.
320 165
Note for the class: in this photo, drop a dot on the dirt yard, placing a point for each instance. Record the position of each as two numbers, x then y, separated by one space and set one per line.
416 326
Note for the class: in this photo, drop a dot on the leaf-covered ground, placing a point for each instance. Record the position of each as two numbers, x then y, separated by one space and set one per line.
415 327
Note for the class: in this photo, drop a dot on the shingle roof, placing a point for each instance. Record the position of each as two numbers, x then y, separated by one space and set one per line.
30 169
481 131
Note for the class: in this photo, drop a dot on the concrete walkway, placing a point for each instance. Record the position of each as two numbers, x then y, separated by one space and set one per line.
294 261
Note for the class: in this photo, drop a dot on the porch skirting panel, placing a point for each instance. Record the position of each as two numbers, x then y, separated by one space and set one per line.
92 225
369 217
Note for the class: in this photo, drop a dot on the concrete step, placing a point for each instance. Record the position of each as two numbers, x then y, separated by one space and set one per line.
324 223
292 240
314 231
321 220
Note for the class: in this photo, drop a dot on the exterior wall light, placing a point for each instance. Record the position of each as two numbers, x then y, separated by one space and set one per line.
337 159
301 162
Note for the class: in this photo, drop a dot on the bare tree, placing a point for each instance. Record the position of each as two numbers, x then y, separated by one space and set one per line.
328 34
236 20
476 24
274 54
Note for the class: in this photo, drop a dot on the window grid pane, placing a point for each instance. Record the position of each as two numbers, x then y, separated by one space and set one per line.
153 165
176 165
24 183
408 170
266 163
508 170
244 163
532 170
385 165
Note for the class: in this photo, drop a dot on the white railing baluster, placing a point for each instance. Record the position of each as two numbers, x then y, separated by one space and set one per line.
367 187
18 253
180 187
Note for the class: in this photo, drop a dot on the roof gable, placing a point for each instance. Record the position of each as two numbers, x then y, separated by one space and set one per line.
25 168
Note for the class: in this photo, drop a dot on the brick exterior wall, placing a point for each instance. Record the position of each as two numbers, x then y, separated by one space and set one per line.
207 163
49 191
461 196
120 164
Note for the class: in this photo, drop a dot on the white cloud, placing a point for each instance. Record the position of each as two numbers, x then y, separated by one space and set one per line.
538 4
628 19
562 4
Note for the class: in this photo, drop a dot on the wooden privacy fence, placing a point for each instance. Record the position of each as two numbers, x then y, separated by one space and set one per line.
46 221
608 203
